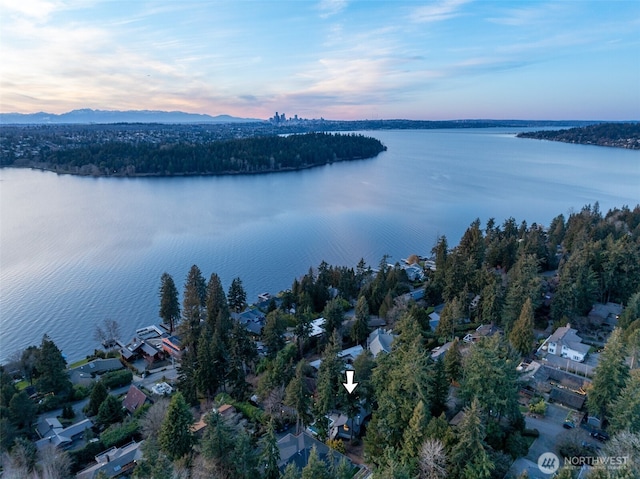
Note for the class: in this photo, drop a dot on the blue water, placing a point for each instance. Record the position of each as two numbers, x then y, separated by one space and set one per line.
75 251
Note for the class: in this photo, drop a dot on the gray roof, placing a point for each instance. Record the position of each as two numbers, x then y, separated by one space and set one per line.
380 341
58 436
296 449
112 461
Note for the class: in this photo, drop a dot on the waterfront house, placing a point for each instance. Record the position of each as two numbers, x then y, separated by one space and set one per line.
172 345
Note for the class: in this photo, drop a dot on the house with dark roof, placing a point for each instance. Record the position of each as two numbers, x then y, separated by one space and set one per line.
567 398
114 462
64 438
253 320
134 399
139 348
297 449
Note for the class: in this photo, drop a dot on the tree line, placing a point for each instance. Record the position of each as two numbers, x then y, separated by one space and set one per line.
244 155
622 135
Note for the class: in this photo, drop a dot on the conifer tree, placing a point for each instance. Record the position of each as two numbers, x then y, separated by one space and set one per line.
298 397
521 336
315 468
175 437
216 302
468 456
270 454
609 377
438 391
453 361
237 297
98 395
625 409
51 368
110 411
333 317
414 434
360 328
169 305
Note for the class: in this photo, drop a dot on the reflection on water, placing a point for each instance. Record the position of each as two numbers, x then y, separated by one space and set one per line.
75 251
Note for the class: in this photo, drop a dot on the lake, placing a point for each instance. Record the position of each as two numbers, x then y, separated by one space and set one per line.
77 250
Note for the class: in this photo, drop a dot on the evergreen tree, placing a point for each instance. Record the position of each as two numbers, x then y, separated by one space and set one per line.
290 472
98 395
451 314
524 283
414 434
468 456
333 317
218 444
490 377
609 377
521 336
237 297
192 306
438 391
298 397
315 468
453 361
328 385
245 460
270 454
175 437
52 369
169 305
625 409
272 333
216 303
110 411
22 411
360 328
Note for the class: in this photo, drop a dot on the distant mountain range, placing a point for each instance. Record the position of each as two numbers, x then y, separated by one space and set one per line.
88 115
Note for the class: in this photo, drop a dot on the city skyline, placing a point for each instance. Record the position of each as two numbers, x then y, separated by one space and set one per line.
335 59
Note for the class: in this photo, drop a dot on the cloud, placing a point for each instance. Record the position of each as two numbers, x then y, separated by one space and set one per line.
437 11
328 8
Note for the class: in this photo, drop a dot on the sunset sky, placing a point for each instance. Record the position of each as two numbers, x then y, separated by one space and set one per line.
336 59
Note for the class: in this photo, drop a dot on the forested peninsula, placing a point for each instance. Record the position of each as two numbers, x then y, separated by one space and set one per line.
619 135
137 154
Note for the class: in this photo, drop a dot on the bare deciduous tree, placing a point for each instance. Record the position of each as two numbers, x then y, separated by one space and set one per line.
433 460
107 333
152 420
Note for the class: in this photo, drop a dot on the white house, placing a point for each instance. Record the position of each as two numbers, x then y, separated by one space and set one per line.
379 341
566 343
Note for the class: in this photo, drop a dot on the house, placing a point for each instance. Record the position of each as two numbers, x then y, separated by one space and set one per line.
64 438
566 343
439 351
172 345
114 462
482 331
567 398
347 355
86 373
434 320
139 348
297 449
134 399
340 425
253 320
317 328
380 341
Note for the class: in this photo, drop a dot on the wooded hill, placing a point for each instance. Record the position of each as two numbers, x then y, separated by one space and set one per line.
621 135
246 155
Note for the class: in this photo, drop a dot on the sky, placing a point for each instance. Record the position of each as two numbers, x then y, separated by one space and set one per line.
336 59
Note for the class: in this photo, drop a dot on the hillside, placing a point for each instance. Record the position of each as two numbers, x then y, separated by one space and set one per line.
619 135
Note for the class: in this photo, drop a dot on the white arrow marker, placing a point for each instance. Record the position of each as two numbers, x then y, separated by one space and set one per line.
350 386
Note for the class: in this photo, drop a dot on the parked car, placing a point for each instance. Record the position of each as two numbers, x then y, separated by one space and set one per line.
600 435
